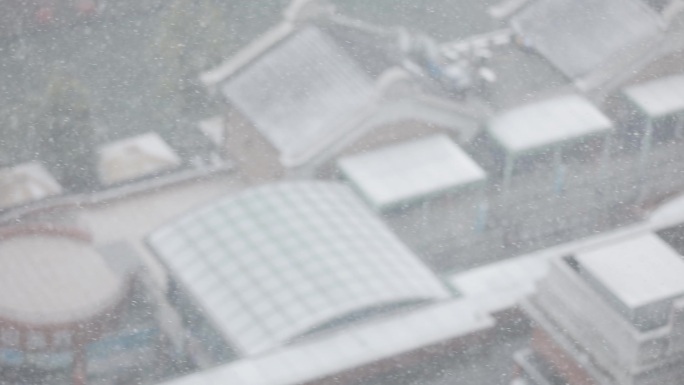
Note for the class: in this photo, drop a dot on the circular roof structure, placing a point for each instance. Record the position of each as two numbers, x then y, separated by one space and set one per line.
276 262
48 279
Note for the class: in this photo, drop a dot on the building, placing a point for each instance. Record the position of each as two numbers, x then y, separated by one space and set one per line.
300 282
366 89
291 270
334 84
587 49
72 313
657 121
26 183
371 351
534 56
428 190
134 158
548 136
609 315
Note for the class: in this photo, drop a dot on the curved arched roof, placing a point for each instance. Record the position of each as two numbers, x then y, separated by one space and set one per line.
274 262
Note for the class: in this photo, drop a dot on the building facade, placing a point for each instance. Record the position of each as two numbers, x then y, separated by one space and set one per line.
607 316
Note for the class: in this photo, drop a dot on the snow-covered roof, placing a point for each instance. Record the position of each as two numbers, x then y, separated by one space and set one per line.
579 36
349 348
411 170
300 92
275 262
638 271
548 122
669 213
48 279
25 183
658 97
502 285
134 158
214 129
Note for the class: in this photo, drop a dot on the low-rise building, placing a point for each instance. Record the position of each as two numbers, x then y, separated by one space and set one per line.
73 313
429 191
134 158
332 83
26 183
609 315
302 280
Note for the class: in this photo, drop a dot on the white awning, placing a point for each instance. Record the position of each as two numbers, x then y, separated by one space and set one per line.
658 97
411 170
546 123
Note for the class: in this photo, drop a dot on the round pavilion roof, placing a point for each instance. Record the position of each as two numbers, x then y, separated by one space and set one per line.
46 279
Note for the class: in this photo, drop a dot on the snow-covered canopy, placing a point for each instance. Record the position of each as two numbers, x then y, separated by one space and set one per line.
411 170
275 262
660 97
548 122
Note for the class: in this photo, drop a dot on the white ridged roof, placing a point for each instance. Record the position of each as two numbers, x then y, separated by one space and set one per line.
547 122
658 97
411 170
277 261
300 92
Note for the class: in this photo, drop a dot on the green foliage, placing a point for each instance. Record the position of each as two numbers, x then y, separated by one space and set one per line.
66 138
196 35
191 37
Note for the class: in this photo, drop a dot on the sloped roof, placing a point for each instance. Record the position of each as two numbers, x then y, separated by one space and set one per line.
25 183
275 262
300 92
578 36
658 97
545 123
410 170
135 157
